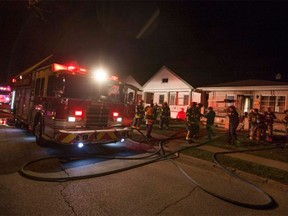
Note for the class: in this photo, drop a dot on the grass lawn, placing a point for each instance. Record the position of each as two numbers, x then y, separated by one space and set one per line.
263 171
279 153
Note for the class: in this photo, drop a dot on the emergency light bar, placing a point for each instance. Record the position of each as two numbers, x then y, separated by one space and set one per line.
7 88
57 67
115 78
71 68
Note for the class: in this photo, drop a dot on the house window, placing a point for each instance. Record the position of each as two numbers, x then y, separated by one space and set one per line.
172 99
149 97
183 100
186 100
230 100
165 80
276 103
280 104
161 99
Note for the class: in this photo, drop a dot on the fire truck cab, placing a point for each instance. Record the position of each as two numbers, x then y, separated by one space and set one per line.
66 105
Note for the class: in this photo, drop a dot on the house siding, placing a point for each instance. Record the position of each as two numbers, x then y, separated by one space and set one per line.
217 101
174 91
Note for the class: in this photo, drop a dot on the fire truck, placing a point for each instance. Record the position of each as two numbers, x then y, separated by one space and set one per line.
5 95
67 105
5 99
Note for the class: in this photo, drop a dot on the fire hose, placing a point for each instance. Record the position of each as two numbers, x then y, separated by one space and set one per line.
158 155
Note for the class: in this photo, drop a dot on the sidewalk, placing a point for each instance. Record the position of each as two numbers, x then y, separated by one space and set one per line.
247 157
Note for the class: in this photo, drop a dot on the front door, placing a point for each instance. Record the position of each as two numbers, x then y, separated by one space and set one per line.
245 103
149 97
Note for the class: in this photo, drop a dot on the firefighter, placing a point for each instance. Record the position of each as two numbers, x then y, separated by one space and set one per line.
192 119
156 109
164 115
233 124
269 118
149 119
285 121
139 115
210 122
257 124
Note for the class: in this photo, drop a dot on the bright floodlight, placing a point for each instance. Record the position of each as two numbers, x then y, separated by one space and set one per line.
100 74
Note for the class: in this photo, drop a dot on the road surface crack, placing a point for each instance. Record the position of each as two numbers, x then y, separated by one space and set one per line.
177 201
65 198
64 170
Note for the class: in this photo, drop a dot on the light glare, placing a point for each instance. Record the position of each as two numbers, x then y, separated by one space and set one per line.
71 119
100 75
80 145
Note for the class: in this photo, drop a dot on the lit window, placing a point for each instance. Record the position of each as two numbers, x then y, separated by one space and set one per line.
276 103
230 100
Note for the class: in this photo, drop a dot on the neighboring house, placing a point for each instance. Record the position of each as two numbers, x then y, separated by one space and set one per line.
166 86
248 94
131 81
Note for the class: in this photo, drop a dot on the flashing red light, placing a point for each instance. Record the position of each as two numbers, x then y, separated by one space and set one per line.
115 114
78 113
7 88
115 78
57 67
71 68
13 80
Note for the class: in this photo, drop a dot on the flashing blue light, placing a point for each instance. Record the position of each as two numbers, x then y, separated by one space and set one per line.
80 145
122 140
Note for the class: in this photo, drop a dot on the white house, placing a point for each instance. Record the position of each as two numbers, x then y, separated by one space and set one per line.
248 94
166 86
131 81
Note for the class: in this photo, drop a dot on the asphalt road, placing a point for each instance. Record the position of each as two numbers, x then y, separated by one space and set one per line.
159 188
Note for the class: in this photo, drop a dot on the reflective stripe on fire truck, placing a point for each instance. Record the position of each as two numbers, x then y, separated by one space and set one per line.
70 137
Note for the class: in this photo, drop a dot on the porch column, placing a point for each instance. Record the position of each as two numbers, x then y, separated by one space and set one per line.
191 92
176 102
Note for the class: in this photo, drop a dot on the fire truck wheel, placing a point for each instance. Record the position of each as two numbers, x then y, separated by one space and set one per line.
38 132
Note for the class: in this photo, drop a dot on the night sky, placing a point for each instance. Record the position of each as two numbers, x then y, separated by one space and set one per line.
203 42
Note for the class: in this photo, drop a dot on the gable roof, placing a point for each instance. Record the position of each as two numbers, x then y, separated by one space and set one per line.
130 80
170 71
246 85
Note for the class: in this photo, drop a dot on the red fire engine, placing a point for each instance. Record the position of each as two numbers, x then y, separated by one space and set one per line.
5 95
5 99
66 105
